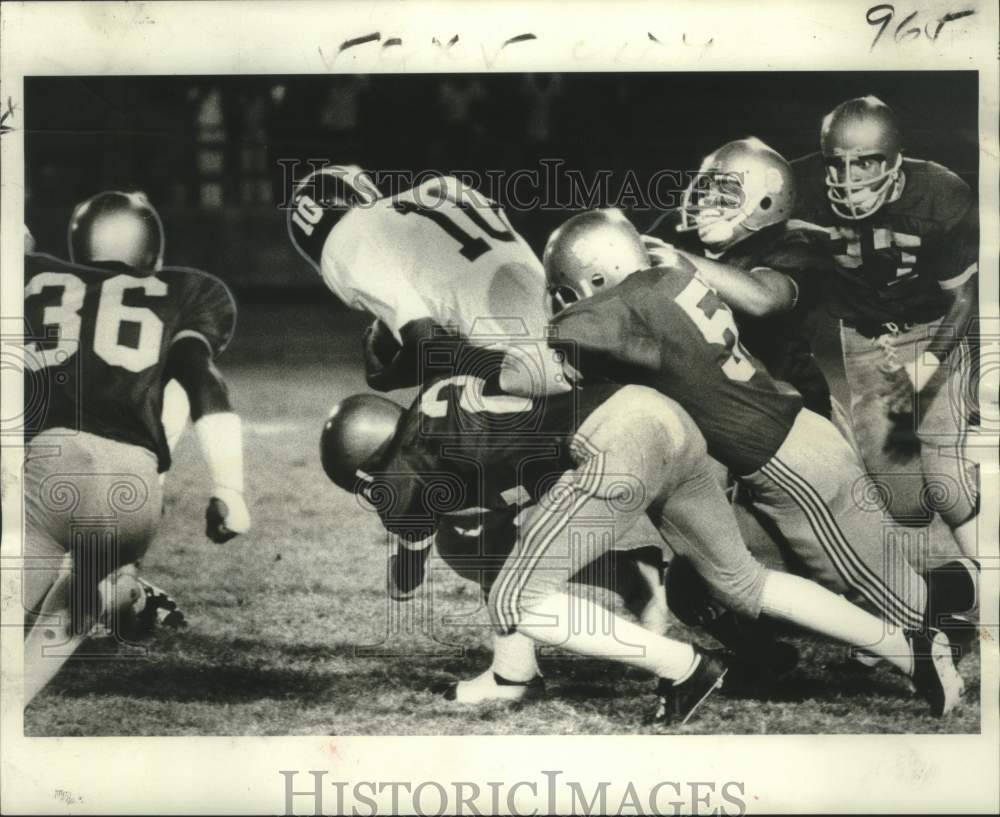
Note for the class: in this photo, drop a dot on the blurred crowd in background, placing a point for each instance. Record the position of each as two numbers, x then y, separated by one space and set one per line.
217 155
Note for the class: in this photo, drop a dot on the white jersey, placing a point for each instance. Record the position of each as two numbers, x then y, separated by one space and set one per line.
441 251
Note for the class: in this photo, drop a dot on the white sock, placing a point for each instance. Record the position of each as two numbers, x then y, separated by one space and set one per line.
514 657
805 603
559 621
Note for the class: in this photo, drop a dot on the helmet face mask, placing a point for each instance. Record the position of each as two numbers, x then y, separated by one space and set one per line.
857 186
589 253
117 226
860 142
740 189
714 204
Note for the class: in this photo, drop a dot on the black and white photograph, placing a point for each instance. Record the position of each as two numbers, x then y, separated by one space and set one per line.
482 403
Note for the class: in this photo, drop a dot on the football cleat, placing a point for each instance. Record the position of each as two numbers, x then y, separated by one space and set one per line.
679 702
492 687
935 676
962 634
157 608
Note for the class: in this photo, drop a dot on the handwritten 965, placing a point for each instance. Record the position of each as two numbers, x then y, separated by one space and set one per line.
908 28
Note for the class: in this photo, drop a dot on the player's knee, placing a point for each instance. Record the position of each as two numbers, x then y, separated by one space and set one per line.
741 592
665 419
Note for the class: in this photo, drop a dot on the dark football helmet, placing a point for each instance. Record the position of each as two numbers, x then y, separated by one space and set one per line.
741 188
117 226
861 146
590 252
355 436
320 200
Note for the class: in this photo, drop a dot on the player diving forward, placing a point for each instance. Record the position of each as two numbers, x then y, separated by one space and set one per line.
109 328
666 328
441 257
591 463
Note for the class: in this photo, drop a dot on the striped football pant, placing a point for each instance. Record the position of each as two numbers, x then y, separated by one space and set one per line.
831 516
637 454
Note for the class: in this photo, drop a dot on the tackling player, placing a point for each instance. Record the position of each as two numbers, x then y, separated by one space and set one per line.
438 259
667 328
109 328
737 208
589 465
903 236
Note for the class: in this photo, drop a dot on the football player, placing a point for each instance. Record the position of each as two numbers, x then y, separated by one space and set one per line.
667 328
588 465
109 328
439 256
903 236
438 259
737 208
762 264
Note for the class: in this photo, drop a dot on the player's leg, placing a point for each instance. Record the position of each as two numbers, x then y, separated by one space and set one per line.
816 493
626 450
475 547
889 449
951 480
104 498
696 518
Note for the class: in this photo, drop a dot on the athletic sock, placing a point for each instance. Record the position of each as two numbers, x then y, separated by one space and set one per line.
805 603
558 620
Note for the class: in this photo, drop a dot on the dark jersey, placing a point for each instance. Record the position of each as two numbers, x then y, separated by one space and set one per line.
668 329
463 444
781 341
892 266
97 343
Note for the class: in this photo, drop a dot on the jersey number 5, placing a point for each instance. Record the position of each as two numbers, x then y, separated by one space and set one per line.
716 324
111 313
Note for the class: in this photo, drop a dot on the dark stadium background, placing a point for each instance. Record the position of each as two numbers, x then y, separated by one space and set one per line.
206 149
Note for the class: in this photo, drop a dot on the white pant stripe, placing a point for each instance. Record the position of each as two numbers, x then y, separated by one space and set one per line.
537 539
832 539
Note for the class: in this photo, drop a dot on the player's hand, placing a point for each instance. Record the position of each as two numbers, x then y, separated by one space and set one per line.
227 516
897 390
661 254
380 344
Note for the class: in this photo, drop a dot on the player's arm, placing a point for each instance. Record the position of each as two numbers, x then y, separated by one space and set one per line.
399 497
219 432
758 292
958 265
395 364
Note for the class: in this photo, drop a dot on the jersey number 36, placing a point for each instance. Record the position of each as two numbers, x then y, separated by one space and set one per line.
111 314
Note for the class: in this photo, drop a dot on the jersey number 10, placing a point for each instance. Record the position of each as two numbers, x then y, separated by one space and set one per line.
474 207
111 313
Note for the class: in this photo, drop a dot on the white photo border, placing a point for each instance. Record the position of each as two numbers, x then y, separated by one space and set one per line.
786 774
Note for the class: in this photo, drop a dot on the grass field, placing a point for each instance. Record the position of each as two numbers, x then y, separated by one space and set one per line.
277 617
